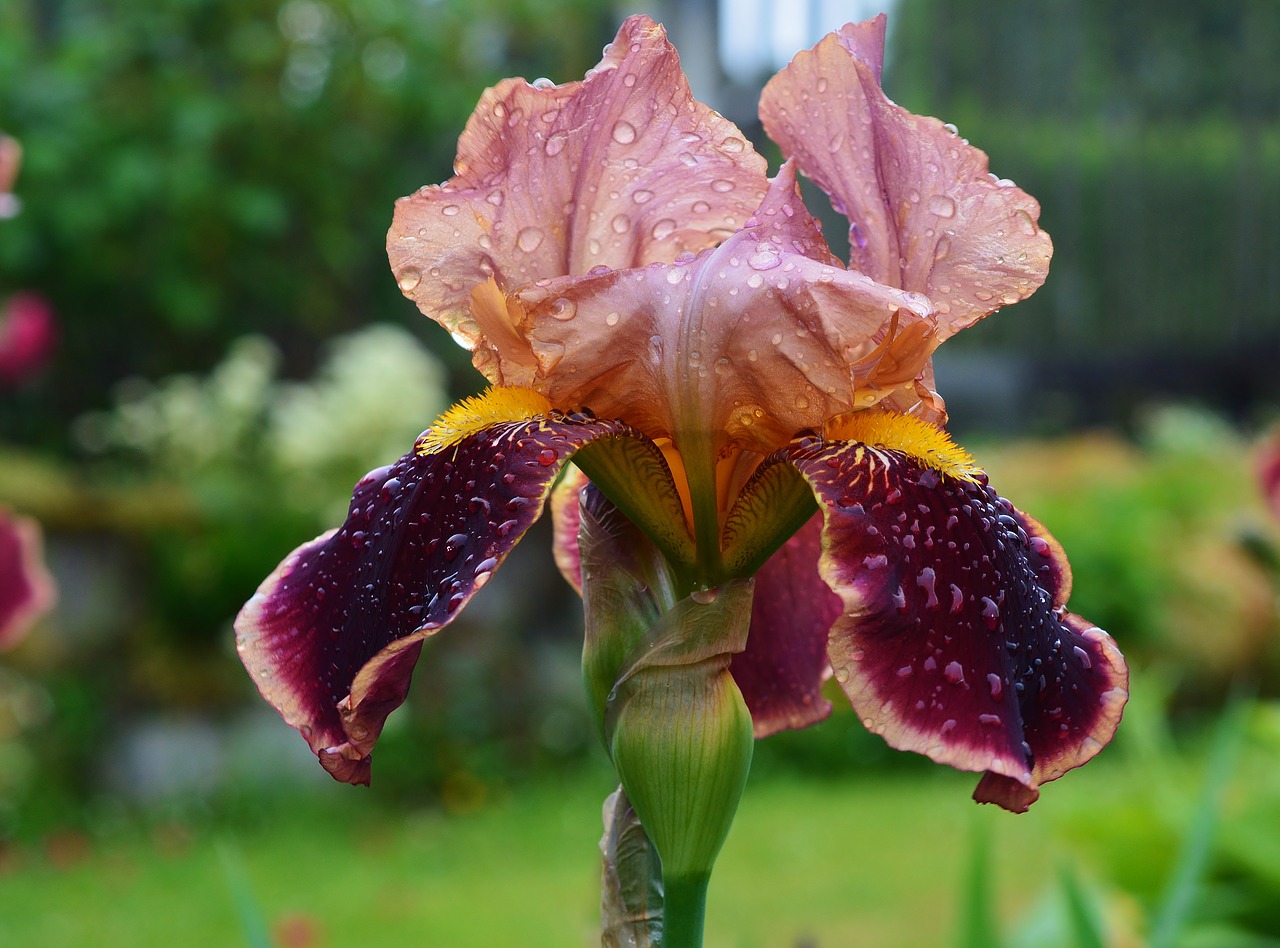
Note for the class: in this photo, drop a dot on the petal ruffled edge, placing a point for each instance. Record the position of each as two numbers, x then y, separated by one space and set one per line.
621 169
925 213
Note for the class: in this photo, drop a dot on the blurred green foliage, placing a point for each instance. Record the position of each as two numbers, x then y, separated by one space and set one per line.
1148 132
199 169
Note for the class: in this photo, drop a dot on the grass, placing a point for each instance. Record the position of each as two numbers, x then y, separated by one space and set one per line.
817 863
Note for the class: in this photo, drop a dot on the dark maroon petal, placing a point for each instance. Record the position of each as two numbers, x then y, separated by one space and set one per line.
954 640
331 636
781 671
26 588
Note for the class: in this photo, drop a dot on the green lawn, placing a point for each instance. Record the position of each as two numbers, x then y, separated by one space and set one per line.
819 863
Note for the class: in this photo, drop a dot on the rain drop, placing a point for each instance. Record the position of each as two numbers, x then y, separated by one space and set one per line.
450 210
942 206
722 185
555 144
705 596
547 457
624 133
612 319
563 309
620 224
663 229
954 673
529 239
409 278
763 260
990 612
642 196
700 207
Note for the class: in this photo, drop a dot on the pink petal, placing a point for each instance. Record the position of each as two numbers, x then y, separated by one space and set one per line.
753 341
955 641
26 588
28 337
621 169
924 213
566 518
331 637
781 671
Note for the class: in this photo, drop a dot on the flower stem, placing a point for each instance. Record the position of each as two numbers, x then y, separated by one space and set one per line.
684 909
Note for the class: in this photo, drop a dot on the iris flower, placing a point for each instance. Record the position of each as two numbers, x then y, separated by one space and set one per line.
646 302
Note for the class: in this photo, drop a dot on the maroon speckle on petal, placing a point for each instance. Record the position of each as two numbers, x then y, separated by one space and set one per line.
332 635
999 676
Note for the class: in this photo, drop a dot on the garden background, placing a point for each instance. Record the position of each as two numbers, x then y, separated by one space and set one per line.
205 191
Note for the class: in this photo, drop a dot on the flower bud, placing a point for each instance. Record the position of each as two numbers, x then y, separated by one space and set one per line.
679 732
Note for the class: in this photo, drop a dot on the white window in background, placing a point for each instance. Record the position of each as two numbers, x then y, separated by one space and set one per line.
759 37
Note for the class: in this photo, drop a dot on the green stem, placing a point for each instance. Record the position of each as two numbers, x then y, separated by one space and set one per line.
684 910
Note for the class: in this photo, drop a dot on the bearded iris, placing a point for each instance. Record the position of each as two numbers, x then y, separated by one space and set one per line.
755 419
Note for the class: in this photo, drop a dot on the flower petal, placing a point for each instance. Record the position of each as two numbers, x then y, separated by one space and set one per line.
954 641
26 588
621 169
331 637
781 671
924 213
754 340
566 519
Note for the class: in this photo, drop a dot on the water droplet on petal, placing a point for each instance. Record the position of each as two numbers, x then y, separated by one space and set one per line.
763 260
624 133
555 144
450 210
700 207
529 239
821 84
547 457
409 278
942 205
705 596
663 229
642 196
612 319
954 672
722 185
563 309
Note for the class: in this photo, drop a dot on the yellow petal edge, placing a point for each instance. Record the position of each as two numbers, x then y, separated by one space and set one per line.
494 405
914 437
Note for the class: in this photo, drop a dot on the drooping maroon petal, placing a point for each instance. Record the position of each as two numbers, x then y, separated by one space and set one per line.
955 641
26 588
331 637
924 213
781 671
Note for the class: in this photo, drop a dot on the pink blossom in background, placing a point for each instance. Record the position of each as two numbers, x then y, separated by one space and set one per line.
28 337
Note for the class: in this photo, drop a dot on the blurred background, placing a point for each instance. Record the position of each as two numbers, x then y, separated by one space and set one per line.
211 350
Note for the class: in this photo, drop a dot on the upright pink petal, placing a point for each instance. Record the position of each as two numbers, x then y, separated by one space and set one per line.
621 169
753 340
26 588
924 213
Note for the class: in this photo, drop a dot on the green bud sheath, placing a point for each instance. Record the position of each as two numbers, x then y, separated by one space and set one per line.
679 732
656 668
